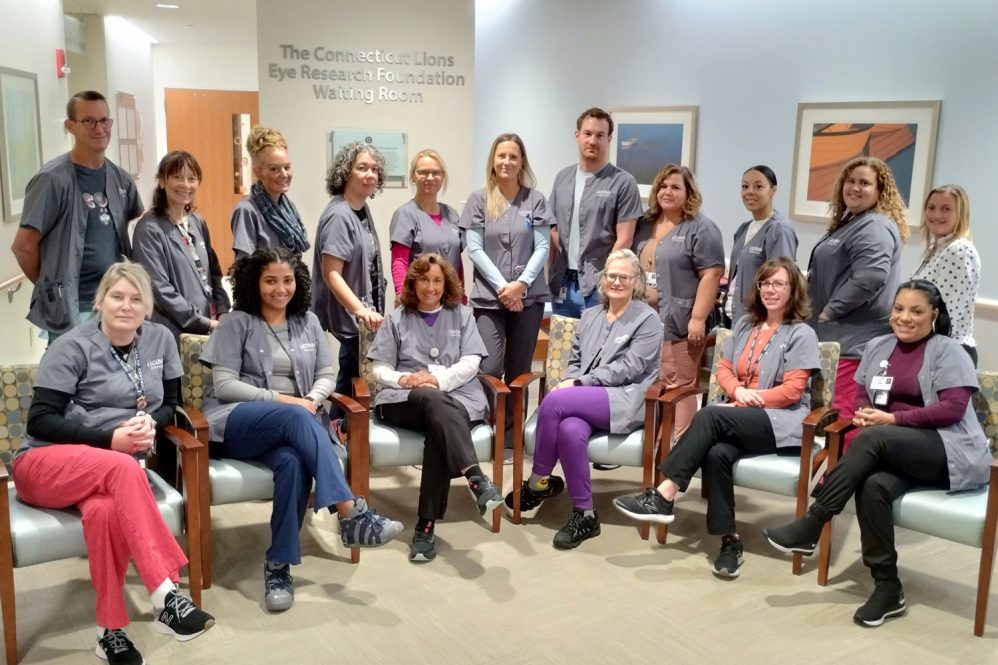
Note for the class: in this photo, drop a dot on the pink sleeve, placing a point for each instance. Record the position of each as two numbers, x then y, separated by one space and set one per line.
400 265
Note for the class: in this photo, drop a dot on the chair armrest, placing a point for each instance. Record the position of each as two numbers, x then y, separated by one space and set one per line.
819 419
993 479
182 439
493 386
521 382
654 391
672 396
198 423
834 434
4 474
362 392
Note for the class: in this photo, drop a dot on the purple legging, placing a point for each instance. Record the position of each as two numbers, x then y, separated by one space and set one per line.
565 421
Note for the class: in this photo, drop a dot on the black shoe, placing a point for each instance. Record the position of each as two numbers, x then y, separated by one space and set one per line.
731 557
115 647
579 528
885 602
649 506
486 495
605 467
531 499
422 548
181 618
798 537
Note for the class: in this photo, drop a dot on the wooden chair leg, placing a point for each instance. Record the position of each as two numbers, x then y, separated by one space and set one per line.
824 553
7 578
663 533
987 558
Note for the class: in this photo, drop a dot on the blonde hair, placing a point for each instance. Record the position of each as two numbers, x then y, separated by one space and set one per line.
135 274
260 138
889 202
495 202
435 156
962 228
638 287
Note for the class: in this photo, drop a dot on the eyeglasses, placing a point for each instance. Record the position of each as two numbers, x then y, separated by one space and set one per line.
91 123
775 284
617 277
428 173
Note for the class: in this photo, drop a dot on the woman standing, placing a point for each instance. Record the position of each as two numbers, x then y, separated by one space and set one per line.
856 266
427 357
346 264
766 236
101 393
267 217
615 359
508 233
173 244
917 428
271 372
951 261
682 253
424 224
764 373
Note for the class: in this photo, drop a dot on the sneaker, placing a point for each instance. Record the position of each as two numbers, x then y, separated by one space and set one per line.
649 506
798 537
422 548
579 528
338 432
115 647
486 495
181 618
605 467
279 590
731 557
885 602
530 499
365 528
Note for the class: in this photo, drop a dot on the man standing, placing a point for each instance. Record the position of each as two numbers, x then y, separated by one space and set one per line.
75 220
596 206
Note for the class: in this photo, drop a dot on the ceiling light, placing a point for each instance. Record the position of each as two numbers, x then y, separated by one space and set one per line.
163 5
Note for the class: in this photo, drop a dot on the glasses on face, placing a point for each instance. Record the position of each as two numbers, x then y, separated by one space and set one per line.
91 123
775 284
618 277
429 173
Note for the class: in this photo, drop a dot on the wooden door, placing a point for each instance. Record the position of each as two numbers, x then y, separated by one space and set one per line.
200 122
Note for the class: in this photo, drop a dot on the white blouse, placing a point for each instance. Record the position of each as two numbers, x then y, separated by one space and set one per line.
956 271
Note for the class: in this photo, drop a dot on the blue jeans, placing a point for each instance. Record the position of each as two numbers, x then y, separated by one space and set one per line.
292 443
574 303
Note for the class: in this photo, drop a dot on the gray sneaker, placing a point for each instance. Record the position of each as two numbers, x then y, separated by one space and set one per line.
279 590
422 548
365 528
486 495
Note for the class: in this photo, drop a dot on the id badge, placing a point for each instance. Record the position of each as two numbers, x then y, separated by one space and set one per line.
881 383
651 279
433 367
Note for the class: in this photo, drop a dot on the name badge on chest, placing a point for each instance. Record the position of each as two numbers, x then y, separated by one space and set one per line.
651 279
881 387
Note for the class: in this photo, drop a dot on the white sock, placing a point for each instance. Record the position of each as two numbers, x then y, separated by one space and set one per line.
158 596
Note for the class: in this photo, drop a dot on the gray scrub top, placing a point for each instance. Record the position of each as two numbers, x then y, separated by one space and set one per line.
852 277
694 245
250 231
240 344
415 229
342 235
406 343
945 365
624 357
509 242
182 304
81 363
53 206
793 346
776 238
610 196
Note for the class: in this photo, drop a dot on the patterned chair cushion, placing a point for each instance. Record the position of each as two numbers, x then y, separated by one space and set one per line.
986 405
15 384
561 334
197 377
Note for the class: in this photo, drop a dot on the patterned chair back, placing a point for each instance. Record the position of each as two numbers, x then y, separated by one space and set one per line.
197 378
16 383
560 338
367 366
985 403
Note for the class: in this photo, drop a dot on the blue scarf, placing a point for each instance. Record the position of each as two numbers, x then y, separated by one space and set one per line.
283 218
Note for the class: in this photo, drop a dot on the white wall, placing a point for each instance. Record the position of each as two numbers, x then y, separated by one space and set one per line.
747 65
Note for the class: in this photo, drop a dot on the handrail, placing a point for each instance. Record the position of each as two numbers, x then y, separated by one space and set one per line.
12 285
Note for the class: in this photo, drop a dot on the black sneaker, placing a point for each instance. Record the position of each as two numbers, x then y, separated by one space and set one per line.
531 499
181 618
115 647
579 528
649 506
605 467
731 557
279 590
798 537
486 495
365 528
422 547
885 603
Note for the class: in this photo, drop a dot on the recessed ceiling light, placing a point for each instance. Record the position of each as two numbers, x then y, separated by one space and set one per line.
163 5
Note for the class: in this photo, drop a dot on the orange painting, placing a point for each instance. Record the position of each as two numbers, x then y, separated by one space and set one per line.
834 144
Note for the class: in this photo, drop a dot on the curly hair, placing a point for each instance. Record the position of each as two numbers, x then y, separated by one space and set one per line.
339 170
173 163
941 325
495 202
429 153
245 274
799 304
639 283
693 197
962 228
421 266
260 138
889 201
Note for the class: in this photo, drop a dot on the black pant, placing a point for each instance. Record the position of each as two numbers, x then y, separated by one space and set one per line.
447 448
972 351
882 463
717 437
349 359
510 339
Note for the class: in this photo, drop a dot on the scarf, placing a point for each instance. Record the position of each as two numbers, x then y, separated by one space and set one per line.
283 218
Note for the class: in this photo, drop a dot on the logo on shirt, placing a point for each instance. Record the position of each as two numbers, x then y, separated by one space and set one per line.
155 363
604 193
834 241
755 250
681 238
307 346
620 339
454 332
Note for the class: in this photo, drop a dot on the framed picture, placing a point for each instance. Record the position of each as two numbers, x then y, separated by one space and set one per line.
20 138
902 134
391 143
647 138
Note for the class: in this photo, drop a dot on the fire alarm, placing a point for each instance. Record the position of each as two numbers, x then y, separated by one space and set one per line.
61 68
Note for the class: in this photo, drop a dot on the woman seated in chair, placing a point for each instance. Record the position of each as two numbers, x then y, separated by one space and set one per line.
426 357
764 374
271 372
917 428
616 356
101 392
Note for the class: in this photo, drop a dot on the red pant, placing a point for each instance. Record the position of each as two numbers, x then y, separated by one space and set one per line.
678 369
120 517
844 400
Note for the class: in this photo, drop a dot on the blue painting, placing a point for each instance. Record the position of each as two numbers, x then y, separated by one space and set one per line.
643 149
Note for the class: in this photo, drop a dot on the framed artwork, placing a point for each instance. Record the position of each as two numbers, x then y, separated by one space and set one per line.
902 134
20 138
647 138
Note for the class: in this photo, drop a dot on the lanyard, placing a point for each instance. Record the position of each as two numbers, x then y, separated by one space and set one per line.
750 367
134 375
188 239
